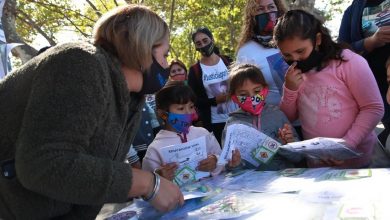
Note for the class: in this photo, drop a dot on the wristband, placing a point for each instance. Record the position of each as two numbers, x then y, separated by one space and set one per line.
156 188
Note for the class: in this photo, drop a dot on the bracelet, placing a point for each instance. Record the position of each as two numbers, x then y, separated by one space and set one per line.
156 188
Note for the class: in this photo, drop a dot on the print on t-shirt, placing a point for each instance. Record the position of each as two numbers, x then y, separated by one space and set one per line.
278 69
215 83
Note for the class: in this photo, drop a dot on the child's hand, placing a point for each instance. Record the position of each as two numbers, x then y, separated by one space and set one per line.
293 77
209 164
236 159
286 134
167 171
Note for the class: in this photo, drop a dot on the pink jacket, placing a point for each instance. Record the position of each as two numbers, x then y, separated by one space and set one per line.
153 158
341 101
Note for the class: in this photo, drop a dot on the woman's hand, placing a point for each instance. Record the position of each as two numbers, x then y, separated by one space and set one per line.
236 159
286 134
209 164
379 39
167 171
168 196
293 77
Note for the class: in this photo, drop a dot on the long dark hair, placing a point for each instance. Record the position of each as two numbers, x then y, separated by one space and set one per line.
299 23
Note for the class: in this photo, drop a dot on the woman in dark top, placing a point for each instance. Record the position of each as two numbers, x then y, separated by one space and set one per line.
208 78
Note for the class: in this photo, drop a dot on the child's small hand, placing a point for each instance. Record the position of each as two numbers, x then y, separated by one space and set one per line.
167 171
293 77
236 159
209 164
286 134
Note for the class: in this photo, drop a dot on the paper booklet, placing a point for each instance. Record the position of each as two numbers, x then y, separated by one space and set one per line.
322 148
187 156
255 147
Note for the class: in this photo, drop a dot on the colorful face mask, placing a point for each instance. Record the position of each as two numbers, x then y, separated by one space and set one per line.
254 104
181 122
207 50
265 23
314 60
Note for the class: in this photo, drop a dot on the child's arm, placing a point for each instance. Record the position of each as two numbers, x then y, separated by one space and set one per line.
357 73
288 104
209 164
213 151
286 134
167 171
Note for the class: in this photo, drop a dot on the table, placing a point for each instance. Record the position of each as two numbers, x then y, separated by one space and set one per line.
322 193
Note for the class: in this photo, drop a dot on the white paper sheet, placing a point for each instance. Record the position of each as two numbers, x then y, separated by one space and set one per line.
187 155
255 147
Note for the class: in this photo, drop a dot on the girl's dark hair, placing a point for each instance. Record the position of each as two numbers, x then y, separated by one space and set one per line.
242 72
174 92
179 63
299 23
207 32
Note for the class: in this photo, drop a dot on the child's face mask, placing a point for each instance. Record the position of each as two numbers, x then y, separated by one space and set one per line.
252 104
181 122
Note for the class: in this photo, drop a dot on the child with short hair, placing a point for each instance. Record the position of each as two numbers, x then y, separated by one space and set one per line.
175 106
330 89
247 88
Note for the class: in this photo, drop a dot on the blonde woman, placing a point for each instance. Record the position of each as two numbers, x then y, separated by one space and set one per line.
68 116
255 44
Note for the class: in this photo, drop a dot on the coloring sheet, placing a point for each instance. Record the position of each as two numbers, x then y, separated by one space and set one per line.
255 147
322 148
187 155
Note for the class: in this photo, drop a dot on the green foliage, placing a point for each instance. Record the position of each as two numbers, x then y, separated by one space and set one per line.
222 17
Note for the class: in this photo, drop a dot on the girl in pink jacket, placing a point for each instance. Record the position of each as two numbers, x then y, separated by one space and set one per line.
330 89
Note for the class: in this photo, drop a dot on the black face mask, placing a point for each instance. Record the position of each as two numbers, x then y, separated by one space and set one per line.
207 50
314 60
265 23
154 79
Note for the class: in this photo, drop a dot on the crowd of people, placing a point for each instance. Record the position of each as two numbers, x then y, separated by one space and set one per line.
81 124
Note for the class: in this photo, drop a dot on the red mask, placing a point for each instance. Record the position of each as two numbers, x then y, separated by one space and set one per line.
254 104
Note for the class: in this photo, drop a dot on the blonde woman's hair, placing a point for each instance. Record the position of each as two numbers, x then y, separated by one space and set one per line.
247 30
130 33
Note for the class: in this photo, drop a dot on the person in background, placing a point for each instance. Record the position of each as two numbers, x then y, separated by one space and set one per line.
177 71
175 106
255 44
330 89
133 159
208 79
65 138
388 80
366 28
247 87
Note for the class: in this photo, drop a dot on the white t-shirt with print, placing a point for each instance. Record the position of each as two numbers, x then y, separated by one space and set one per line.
215 83
271 64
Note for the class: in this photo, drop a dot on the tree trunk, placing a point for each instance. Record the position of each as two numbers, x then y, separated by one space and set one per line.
24 52
231 26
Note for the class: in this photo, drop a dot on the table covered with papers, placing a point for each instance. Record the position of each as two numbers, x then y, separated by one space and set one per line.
289 194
